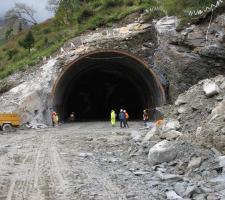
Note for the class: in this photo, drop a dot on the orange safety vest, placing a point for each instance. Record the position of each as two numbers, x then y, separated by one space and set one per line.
127 116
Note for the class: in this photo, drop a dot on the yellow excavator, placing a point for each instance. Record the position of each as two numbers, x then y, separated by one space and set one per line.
9 120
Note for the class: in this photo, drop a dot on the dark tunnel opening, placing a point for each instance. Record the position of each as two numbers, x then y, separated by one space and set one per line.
95 83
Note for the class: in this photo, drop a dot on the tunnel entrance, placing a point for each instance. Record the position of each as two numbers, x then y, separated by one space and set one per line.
99 81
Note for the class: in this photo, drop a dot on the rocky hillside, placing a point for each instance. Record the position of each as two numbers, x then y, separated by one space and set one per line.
195 53
187 147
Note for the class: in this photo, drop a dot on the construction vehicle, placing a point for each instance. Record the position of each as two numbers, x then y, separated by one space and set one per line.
8 121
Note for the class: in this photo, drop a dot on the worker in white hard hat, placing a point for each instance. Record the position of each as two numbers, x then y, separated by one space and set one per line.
121 118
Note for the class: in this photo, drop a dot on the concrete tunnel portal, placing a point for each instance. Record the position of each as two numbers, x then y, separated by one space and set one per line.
102 80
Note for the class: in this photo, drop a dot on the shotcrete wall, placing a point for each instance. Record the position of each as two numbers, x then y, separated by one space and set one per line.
102 80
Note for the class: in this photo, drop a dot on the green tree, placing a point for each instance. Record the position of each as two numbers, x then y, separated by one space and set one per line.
8 33
46 42
27 42
66 9
20 27
11 53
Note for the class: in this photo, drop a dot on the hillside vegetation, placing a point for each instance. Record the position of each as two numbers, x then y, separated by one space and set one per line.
76 16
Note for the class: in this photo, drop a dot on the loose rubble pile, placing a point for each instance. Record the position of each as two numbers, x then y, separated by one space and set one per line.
186 149
201 112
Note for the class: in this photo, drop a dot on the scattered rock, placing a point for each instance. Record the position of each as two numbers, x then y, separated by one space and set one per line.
190 191
221 160
200 197
131 195
213 197
206 189
85 155
140 172
168 177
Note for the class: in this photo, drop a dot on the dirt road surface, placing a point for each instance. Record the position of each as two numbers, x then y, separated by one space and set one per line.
75 161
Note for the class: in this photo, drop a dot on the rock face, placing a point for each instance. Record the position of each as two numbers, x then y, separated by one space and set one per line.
190 55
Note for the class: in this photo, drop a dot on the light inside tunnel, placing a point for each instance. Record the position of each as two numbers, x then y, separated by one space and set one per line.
99 81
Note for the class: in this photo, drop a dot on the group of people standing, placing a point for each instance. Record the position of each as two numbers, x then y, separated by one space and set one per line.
123 118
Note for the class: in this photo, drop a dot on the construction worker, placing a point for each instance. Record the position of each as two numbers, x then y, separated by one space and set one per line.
72 116
113 118
121 118
145 117
126 119
55 119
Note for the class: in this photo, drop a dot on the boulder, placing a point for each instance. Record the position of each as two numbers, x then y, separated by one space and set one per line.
194 163
210 88
150 134
190 191
171 124
171 195
171 135
163 151
180 188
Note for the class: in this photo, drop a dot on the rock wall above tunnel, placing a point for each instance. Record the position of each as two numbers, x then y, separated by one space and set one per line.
195 53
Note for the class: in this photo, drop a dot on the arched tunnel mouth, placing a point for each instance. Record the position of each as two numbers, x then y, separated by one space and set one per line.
104 80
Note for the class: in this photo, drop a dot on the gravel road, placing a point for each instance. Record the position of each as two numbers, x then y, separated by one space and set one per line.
75 161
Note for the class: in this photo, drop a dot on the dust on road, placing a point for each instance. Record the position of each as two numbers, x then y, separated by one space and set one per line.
75 161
